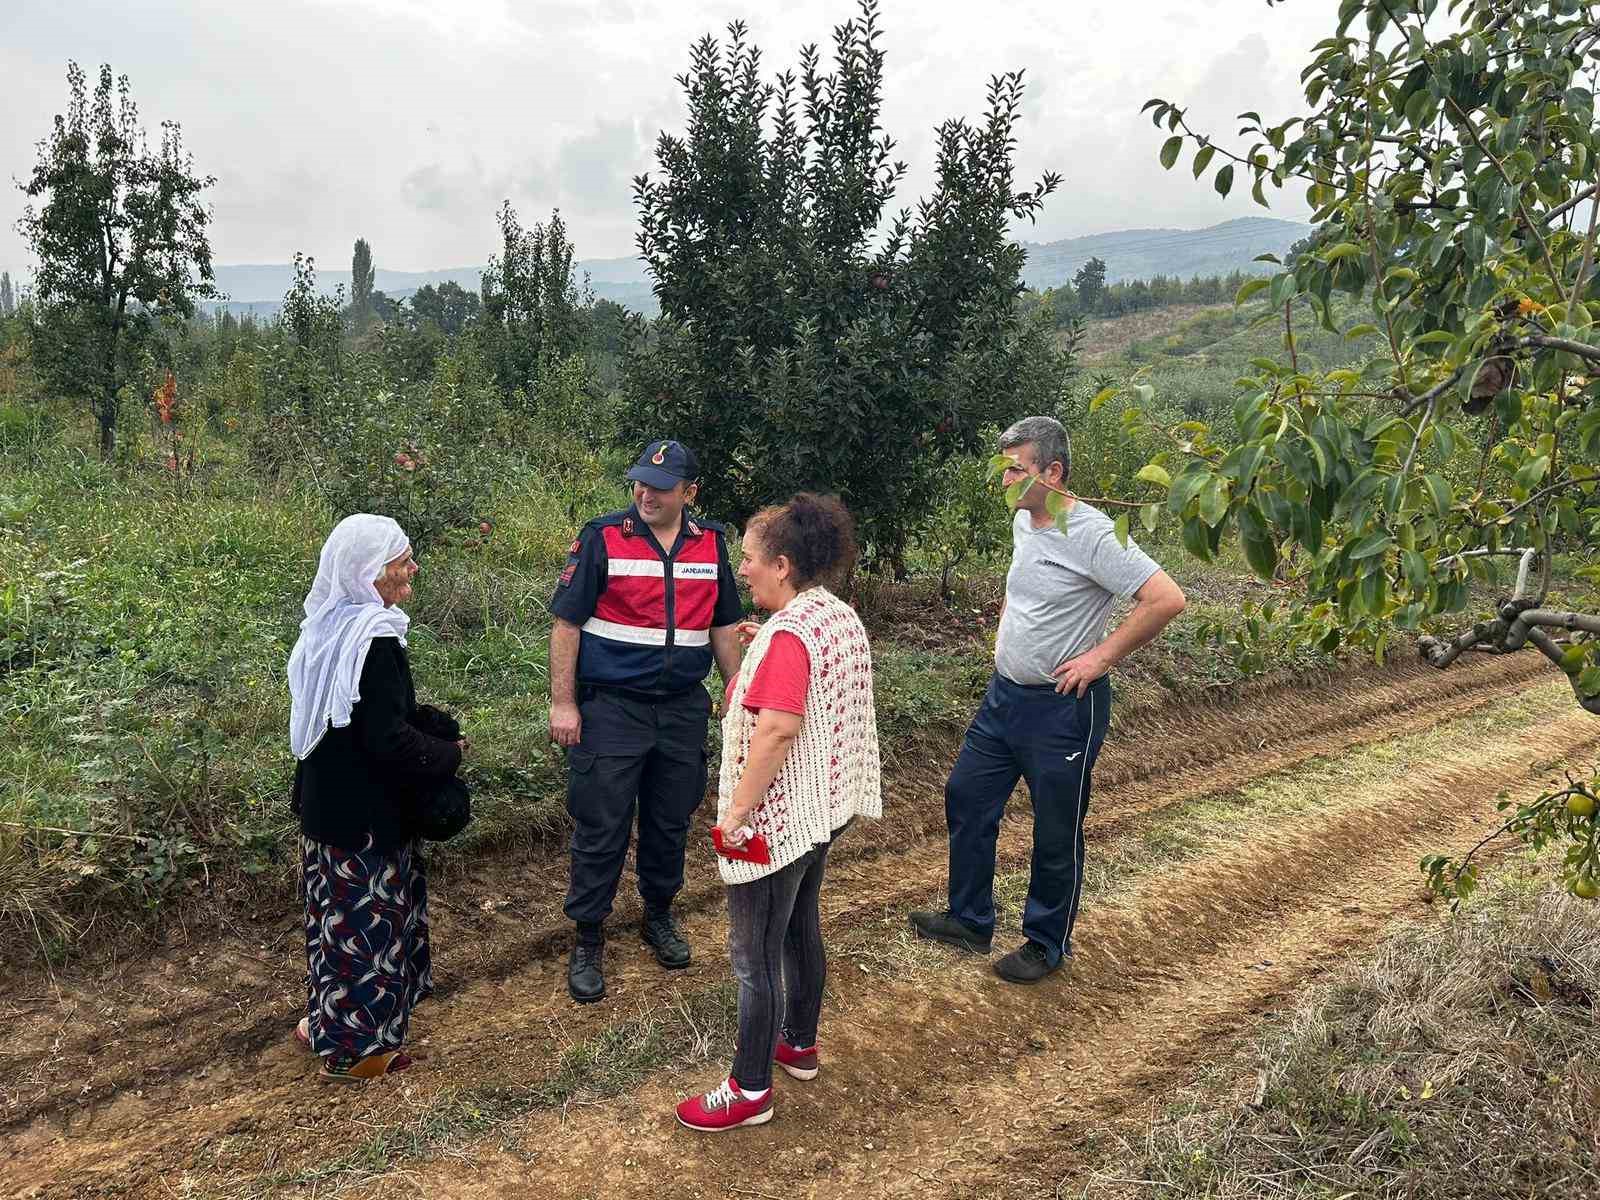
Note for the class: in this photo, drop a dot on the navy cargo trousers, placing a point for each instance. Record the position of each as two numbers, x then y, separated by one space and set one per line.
637 755
1051 741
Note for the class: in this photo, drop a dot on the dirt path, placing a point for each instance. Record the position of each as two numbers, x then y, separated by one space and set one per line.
177 1078
961 1085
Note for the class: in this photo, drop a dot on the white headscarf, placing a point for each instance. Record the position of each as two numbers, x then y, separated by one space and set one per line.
343 614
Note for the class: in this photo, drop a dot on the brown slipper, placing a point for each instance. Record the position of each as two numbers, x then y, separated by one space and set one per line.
338 1069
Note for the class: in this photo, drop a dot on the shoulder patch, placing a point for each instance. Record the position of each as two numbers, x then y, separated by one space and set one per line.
577 545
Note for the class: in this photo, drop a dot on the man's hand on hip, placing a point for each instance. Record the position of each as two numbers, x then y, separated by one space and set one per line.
1076 674
566 724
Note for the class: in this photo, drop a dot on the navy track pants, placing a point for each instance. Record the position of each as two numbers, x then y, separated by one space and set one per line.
1052 741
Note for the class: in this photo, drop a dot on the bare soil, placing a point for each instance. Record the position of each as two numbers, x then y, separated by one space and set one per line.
174 1073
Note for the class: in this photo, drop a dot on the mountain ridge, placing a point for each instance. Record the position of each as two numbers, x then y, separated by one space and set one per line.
258 288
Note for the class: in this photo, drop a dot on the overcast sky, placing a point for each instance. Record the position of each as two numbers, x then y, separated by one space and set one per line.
408 121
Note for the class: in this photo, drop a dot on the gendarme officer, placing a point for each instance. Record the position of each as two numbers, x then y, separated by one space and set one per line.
645 602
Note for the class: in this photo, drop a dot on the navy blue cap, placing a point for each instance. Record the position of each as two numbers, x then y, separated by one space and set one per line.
665 465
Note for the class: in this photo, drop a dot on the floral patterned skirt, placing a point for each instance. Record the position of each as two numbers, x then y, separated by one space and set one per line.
367 955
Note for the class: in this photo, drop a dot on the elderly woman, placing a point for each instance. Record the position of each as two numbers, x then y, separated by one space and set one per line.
366 897
799 763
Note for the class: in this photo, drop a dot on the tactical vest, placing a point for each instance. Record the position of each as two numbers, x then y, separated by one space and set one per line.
651 628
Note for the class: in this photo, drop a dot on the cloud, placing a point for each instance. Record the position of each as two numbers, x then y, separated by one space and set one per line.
436 188
408 121
596 168
488 22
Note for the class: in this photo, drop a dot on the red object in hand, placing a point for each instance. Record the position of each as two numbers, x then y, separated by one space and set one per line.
754 849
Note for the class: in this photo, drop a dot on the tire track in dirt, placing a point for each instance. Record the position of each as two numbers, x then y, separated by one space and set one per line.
185 1108
980 1099
1181 752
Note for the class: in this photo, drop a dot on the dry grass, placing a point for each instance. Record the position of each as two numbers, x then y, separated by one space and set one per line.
1460 1060
1106 337
30 914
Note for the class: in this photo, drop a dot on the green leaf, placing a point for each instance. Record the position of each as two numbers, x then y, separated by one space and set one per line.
1197 539
1416 569
1360 331
1440 493
1015 491
1374 589
997 464
1342 250
1393 493
1533 471
1148 516
1224 180
1156 474
1444 438
1374 543
1202 158
1054 503
1120 528
1260 550
1170 150
1321 456
1214 500
1188 484
1101 397
1250 288
1284 288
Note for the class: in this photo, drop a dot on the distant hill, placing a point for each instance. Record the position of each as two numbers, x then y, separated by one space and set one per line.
1141 253
258 288
1129 254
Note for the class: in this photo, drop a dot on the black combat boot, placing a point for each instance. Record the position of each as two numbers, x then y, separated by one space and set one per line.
660 933
586 978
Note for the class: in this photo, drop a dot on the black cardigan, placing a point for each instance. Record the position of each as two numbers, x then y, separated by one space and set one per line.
356 781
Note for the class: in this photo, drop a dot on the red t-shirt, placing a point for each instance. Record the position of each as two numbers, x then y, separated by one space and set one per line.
782 678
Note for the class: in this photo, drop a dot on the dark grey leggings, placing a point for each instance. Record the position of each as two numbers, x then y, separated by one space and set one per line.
775 941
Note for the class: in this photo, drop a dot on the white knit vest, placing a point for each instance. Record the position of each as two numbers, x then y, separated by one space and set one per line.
832 772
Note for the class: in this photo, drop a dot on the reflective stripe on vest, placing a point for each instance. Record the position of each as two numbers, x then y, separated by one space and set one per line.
634 607
640 636
656 569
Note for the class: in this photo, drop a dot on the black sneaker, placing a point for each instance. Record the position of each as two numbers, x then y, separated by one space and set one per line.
1029 963
942 927
660 933
586 978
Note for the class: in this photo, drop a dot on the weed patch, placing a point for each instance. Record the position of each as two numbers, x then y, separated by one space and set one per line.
1459 1060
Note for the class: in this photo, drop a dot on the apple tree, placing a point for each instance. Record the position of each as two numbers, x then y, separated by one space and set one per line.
1451 156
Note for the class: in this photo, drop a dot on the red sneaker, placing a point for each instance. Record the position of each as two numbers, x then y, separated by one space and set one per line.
801 1064
725 1107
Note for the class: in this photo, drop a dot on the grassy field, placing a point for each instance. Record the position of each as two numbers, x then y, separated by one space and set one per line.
144 635
145 627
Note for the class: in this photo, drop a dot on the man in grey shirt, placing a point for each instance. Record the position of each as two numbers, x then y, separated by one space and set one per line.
1045 714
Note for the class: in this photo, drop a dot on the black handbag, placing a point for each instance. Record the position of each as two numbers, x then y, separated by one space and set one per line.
439 812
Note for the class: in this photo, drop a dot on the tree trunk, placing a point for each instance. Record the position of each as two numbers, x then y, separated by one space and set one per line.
108 427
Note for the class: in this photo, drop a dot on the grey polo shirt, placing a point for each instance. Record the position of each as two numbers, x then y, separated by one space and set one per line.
1060 590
